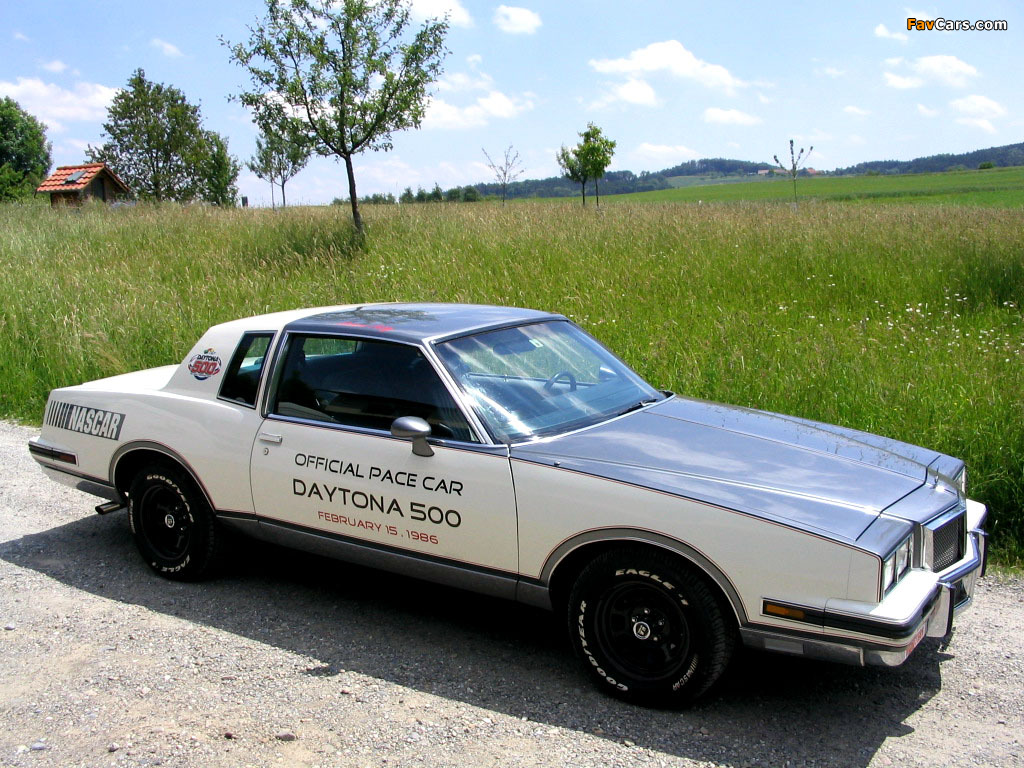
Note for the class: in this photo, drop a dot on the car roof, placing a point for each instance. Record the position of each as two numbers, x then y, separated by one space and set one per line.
415 323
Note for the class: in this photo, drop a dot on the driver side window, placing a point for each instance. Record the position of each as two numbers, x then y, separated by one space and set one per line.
362 383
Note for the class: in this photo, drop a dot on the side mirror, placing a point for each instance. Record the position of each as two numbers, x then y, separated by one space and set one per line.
416 428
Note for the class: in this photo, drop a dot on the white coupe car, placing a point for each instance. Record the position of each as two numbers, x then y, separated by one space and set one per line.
506 451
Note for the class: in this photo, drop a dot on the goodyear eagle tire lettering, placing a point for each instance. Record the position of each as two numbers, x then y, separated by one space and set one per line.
174 528
649 627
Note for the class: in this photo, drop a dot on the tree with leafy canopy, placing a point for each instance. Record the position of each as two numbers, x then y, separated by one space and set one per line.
351 72
587 160
505 171
219 172
156 143
279 157
794 165
24 151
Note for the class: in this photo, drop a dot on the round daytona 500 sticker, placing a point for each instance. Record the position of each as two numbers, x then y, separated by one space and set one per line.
204 364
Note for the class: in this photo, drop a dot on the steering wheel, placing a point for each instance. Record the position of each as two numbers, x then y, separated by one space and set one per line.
550 383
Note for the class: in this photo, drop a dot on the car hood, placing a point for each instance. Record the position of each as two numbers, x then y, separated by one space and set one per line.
811 475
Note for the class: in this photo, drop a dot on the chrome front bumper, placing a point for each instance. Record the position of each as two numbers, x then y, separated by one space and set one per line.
953 593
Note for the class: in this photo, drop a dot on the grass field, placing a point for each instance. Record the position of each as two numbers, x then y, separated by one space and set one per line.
995 187
900 320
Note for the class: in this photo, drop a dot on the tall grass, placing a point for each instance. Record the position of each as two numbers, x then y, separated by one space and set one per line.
904 321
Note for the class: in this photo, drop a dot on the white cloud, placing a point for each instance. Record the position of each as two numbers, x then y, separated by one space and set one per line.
460 81
852 110
764 99
856 140
53 104
633 91
943 69
948 70
833 72
978 106
444 116
899 81
729 117
474 60
458 16
663 155
54 66
882 31
167 49
977 122
894 61
516 21
19 36
670 56
926 112
911 14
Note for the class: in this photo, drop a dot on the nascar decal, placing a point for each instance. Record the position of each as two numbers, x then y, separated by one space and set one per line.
88 421
205 364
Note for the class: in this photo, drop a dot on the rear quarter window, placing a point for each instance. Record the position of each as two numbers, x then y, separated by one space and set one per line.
242 379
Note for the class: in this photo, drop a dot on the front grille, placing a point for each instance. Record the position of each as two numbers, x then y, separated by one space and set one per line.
948 543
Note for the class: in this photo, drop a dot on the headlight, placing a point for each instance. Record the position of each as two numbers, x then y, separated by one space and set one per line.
888 572
902 559
896 566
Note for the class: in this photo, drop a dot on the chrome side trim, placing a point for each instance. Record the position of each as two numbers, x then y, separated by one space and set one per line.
487 582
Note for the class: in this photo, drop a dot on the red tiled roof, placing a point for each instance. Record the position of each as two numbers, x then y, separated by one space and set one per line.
56 180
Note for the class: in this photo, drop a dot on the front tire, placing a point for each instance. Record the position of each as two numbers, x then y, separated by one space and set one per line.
174 528
648 627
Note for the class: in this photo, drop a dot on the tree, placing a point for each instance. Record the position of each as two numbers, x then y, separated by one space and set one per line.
573 169
157 144
279 157
407 196
587 160
507 171
24 151
219 172
351 72
794 165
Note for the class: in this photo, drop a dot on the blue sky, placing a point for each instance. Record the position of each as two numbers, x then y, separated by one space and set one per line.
668 81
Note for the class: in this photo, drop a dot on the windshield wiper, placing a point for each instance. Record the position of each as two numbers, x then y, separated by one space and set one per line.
637 406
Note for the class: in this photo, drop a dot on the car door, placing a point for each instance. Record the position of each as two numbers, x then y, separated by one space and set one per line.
325 462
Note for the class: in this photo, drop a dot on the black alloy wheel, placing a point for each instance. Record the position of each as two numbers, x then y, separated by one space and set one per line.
649 626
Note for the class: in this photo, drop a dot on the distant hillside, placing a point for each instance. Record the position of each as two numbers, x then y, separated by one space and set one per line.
613 183
625 182
716 166
1009 155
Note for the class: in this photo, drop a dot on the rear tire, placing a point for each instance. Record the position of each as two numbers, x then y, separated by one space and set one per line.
175 529
649 627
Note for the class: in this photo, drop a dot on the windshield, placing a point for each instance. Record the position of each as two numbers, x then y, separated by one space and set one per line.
542 379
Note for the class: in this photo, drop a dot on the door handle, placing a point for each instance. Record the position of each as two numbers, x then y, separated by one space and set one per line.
266 437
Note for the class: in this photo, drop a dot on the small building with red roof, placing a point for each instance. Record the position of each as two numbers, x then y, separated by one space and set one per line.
73 184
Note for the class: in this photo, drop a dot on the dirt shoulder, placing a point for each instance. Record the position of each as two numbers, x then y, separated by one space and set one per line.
292 660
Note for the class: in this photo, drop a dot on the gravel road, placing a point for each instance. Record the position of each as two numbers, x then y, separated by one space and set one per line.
291 660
